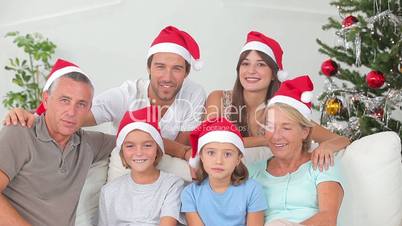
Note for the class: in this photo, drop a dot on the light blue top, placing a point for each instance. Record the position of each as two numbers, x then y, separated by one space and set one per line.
293 196
229 208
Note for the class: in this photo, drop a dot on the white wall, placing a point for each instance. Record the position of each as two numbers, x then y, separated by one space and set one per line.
109 38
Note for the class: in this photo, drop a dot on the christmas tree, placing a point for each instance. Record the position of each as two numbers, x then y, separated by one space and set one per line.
363 90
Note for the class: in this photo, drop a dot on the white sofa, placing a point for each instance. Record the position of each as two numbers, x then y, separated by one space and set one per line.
372 173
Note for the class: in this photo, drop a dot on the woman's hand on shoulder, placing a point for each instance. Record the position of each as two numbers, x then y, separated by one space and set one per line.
330 143
322 158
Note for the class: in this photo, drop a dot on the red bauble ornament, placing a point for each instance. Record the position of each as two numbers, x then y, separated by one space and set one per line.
349 20
329 68
375 79
378 113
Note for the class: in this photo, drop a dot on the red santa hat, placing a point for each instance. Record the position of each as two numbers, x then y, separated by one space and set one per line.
60 68
145 119
262 43
173 40
213 130
298 93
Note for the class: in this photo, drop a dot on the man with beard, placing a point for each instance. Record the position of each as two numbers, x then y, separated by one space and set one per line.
181 101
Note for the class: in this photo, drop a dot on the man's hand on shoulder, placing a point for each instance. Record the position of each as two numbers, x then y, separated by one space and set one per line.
19 116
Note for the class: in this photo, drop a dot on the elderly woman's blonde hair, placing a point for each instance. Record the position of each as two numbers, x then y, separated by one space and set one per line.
297 117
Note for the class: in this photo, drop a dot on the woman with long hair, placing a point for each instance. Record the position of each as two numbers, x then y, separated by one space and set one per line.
259 74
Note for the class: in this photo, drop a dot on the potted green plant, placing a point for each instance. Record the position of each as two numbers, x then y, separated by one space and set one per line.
29 72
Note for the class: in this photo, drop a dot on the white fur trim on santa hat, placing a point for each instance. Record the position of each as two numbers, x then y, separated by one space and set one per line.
306 96
57 74
301 107
140 126
255 45
222 137
216 136
168 47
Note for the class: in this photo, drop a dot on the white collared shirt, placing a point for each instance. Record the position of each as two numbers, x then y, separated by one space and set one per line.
183 115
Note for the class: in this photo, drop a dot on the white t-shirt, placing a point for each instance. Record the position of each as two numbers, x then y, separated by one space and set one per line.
183 115
124 202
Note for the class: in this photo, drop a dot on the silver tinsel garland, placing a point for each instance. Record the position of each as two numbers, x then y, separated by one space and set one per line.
378 108
356 44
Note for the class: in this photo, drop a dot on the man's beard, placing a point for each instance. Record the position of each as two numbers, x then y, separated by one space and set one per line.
158 93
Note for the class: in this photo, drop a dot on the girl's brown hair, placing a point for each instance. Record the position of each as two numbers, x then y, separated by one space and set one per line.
240 118
239 175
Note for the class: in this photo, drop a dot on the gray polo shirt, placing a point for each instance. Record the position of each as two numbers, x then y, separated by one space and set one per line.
46 182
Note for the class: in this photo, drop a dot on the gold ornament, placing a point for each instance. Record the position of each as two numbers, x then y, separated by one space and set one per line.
333 106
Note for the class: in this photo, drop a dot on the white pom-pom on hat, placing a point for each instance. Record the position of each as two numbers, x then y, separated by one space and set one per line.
198 64
194 162
306 96
282 75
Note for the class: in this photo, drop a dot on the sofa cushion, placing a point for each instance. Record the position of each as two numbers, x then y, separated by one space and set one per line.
372 173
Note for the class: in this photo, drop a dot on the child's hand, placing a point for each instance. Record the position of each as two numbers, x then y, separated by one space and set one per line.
322 158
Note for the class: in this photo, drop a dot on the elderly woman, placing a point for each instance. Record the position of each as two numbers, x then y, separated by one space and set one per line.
295 191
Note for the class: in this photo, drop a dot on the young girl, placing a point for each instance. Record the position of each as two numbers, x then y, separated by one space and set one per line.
223 194
146 196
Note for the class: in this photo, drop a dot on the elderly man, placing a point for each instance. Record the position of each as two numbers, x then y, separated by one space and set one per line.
43 168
